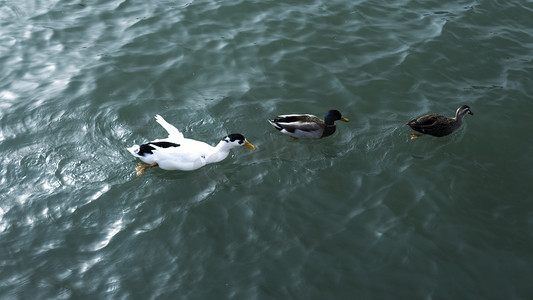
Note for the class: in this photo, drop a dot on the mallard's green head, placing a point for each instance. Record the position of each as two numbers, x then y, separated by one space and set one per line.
334 115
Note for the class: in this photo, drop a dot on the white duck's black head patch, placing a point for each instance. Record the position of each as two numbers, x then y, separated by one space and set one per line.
234 137
147 148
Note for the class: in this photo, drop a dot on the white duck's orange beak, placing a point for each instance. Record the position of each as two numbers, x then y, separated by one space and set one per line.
248 145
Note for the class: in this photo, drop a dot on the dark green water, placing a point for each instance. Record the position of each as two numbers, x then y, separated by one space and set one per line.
364 214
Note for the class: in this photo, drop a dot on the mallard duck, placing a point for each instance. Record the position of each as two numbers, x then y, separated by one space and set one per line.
438 125
179 153
307 126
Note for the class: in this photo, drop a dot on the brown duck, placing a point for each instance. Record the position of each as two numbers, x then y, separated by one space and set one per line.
438 125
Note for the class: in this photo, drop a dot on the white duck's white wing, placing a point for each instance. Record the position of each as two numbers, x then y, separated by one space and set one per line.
173 132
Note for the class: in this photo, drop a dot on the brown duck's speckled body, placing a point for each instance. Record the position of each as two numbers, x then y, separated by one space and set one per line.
439 125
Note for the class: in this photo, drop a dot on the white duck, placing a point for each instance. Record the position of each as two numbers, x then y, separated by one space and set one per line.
178 153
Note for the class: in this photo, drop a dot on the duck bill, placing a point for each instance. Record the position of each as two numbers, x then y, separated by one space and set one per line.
248 145
344 119
470 112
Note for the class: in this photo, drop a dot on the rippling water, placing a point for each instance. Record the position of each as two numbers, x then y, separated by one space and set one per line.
365 213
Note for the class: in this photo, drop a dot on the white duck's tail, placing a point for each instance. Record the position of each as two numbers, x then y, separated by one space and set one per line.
134 150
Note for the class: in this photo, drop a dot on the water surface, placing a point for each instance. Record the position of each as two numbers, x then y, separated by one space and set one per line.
365 213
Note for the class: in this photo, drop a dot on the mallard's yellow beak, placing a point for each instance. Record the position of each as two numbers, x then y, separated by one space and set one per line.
248 145
344 119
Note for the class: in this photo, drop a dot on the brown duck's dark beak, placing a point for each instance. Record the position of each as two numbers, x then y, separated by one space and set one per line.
470 112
